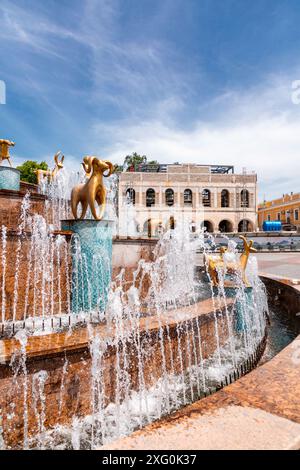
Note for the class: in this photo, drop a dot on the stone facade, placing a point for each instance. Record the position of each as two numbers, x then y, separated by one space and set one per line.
194 194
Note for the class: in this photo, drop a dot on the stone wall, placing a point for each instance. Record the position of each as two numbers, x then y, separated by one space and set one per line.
285 296
11 203
30 293
30 285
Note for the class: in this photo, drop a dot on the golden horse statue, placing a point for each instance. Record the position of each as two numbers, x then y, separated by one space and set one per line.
50 174
214 263
94 189
4 150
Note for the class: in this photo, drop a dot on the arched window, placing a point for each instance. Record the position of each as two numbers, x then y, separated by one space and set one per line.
169 197
150 197
130 195
225 198
206 199
244 198
208 226
187 197
225 226
245 226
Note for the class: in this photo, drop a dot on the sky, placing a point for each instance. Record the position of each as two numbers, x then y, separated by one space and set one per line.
204 81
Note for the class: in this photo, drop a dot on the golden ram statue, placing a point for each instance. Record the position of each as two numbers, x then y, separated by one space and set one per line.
50 174
215 263
4 150
94 189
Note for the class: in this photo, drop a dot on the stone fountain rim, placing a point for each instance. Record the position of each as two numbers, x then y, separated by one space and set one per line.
15 170
250 391
57 343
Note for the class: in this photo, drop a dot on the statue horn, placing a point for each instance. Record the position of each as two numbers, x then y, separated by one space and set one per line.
111 167
56 157
87 164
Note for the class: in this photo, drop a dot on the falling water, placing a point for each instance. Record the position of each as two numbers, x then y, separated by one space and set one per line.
3 259
152 324
38 395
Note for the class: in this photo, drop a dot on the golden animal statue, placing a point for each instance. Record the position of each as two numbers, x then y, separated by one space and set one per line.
94 189
50 174
215 263
4 152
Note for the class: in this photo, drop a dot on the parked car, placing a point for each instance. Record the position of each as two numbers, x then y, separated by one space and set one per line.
282 245
289 227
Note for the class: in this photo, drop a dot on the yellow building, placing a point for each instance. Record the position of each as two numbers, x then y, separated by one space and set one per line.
285 209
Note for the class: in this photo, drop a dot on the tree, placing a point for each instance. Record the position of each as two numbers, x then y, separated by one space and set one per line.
27 170
134 160
118 168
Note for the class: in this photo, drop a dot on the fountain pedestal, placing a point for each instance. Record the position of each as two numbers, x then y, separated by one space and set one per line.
91 263
242 303
9 178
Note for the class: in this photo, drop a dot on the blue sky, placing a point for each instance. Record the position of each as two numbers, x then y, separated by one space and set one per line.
206 81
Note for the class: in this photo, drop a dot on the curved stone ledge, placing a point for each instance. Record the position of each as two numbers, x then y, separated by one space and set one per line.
78 339
19 194
267 400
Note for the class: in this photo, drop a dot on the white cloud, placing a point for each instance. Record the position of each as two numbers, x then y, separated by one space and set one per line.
258 130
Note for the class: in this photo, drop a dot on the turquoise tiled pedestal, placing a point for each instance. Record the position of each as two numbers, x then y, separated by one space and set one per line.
9 178
241 305
91 263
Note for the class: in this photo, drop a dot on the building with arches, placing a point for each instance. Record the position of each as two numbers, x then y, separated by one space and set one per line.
209 196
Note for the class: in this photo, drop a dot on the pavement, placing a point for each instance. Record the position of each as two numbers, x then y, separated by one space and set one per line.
279 264
275 264
232 427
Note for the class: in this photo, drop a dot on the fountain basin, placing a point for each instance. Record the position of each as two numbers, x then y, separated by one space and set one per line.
68 389
270 393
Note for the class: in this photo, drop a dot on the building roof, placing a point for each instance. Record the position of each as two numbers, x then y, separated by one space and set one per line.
186 167
285 199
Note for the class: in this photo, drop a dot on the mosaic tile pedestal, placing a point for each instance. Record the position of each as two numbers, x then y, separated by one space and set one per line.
91 263
243 306
9 178
243 310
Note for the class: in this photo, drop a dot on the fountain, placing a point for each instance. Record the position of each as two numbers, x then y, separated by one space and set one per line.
92 248
89 352
50 175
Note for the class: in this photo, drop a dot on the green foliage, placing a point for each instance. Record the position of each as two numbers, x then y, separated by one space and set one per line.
27 170
134 160
118 168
